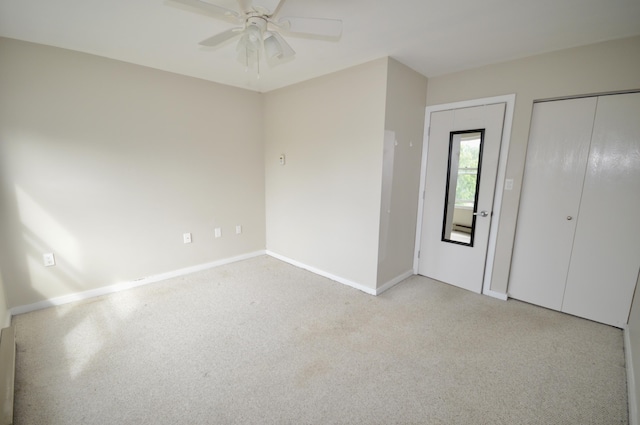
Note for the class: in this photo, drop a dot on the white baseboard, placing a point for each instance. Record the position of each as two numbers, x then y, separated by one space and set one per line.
631 381
394 282
494 294
323 273
65 299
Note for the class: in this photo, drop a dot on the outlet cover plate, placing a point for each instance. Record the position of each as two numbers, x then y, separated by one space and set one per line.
48 259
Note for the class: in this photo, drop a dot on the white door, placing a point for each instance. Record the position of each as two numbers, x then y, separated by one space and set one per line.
606 251
577 246
556 160
463 149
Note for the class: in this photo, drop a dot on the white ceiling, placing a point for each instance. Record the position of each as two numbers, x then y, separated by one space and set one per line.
434 37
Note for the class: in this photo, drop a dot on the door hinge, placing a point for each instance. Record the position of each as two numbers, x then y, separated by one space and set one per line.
418 253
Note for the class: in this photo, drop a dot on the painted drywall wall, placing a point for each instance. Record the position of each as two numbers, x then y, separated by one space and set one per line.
323 205
106 164
404 129
597 68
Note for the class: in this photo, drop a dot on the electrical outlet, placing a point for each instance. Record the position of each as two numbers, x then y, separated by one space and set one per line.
218 232
238 229
186 237
48 259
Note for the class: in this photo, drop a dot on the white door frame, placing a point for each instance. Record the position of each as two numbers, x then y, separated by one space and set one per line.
509 100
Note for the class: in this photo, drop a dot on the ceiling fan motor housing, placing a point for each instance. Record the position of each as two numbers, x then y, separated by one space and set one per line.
257 21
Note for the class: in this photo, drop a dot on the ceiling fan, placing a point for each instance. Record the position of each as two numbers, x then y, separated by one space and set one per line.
259 29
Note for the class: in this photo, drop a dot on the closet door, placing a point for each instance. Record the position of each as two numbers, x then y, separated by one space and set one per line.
606 251
554 173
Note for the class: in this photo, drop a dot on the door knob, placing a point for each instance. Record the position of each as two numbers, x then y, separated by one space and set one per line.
481 213
569 218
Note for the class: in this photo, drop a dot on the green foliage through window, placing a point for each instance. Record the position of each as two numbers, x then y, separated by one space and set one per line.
467 172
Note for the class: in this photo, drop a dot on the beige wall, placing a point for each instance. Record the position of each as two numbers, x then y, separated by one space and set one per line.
323 206
107 164
404 129
603 67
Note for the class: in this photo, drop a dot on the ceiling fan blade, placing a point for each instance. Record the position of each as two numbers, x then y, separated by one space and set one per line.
246 6
210 8
221 37
311 26
272 6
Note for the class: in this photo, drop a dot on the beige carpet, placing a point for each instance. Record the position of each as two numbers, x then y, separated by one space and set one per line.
263 342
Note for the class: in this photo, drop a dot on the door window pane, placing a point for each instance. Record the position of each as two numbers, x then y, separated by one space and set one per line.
463 179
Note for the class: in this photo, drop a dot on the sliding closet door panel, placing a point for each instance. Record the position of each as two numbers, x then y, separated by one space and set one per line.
606 253
554 172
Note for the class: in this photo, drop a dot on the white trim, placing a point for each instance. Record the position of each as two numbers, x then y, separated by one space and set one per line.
631 381
65 299
509 100
7 319
494 294
393 282
322 273
421 193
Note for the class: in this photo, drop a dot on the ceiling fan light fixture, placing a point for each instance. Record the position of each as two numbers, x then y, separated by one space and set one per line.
253 37
272 47
248 52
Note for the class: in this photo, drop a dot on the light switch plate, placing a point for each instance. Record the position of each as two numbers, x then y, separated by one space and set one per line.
508 184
